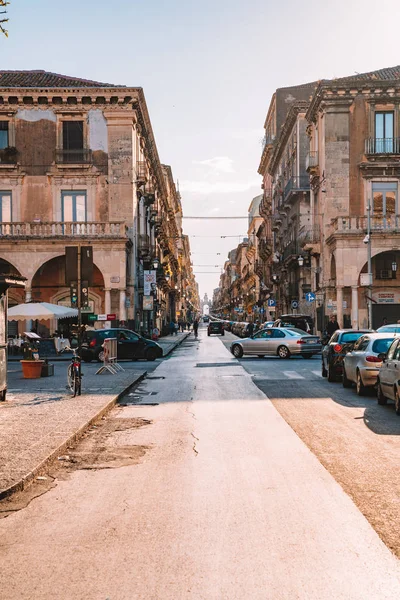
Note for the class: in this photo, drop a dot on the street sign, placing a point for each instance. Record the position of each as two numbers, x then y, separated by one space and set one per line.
295 304
310 297
262 310
271 302
92 317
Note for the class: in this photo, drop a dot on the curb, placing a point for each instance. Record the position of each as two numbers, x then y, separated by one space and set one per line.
20 485
178 343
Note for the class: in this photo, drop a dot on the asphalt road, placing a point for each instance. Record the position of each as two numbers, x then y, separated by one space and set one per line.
198 488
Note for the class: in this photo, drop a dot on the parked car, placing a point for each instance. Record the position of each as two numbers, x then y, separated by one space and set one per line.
333 353
277 341
361 365
129 345
216 327
304 322
395 328
389 376
268 324
206 319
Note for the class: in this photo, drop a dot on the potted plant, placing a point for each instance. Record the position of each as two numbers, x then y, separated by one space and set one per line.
31 365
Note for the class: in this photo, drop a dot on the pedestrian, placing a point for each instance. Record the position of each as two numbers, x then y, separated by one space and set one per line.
332 326
196 327
250 329
155 334
176 328
188 326
385 321
172 328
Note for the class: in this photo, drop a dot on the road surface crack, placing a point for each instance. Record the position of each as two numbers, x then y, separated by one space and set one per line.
194 445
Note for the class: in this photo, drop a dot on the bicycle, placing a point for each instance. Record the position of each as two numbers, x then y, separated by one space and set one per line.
74 374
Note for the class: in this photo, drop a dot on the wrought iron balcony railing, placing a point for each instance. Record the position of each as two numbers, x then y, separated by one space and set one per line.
309 235
311 161
80 156
382 146
60 229
297 184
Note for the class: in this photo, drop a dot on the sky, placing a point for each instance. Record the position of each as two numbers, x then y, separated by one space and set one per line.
208 70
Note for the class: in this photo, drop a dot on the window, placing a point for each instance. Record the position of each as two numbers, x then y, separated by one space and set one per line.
384 132
397 352
278 334
384 199
72 135
3 134
363 345
350 337
391 350
262 335
5 207
73 207
380 346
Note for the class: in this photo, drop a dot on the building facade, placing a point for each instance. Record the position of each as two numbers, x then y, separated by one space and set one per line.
79 166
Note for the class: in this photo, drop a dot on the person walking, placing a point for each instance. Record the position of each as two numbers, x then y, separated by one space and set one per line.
172 329
195 328
250 329
332 326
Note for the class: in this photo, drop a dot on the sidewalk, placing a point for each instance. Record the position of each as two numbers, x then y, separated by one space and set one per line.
40 419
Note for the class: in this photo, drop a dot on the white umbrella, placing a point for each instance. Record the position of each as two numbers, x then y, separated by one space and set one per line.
40 310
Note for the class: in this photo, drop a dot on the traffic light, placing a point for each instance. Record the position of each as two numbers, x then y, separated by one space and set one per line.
84 294
74 294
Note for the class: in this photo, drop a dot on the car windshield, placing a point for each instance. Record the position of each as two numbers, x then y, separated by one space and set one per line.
381 345
389 329
296 332
292 331
350 337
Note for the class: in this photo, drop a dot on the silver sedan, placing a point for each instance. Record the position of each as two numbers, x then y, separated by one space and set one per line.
278 341
361 365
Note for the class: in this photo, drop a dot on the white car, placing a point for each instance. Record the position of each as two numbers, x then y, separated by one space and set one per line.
389 376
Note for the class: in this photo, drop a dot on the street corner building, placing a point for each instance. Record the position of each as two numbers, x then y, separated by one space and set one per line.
79 166
331 168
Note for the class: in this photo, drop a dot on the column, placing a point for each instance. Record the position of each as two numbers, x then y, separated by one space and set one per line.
354 306
122 308
107 302
28 298
339 303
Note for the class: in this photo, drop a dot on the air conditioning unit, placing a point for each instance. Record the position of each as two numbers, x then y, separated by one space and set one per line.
385 274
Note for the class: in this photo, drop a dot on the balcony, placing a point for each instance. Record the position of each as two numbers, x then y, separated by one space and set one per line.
144 243
81 156
309 235
358 225
312 163
276 221
291 250
374 146
265 248
295 185
59 229
141 172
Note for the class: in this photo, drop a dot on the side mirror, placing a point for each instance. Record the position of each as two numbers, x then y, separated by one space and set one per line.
382 356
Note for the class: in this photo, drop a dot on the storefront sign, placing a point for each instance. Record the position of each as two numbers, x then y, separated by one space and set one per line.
385 298
92 318
148 302
150 283
102 317
111 317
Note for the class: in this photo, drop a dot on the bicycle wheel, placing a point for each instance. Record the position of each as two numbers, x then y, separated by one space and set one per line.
71 378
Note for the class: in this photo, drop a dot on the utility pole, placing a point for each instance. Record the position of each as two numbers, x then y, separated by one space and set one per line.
369 250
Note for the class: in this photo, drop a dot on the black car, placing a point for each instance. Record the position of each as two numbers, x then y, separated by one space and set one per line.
304 322
341 342
129 345
216 327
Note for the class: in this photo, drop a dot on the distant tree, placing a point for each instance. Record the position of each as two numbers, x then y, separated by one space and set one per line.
3 20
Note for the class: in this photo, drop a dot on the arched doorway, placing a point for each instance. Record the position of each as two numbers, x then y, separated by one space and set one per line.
385 294
15 295
48 285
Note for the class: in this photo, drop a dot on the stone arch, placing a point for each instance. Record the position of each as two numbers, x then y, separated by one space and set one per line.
15 295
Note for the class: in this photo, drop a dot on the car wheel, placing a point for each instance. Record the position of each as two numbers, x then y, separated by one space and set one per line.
331 375
397 402
359 385
100 356
151 354
346 382
382 400
237 351
324 372
283 352
307 355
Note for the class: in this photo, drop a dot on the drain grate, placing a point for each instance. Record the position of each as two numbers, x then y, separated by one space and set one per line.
223 364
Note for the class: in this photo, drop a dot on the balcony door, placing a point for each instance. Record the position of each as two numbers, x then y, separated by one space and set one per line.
73 210
384 202
384 132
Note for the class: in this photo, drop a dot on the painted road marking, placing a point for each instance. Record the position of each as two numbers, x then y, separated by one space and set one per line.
293 375
317 373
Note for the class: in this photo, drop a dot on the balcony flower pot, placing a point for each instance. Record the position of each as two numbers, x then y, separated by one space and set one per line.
32 369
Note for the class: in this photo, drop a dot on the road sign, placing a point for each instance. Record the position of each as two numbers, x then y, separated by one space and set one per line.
295 304
262 310
271 302
310 297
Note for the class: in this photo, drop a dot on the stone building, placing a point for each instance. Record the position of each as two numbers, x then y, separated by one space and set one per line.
354 167
79 166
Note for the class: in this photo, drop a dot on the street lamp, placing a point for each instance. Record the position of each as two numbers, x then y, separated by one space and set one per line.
167 277
394 266
300 260
156 263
